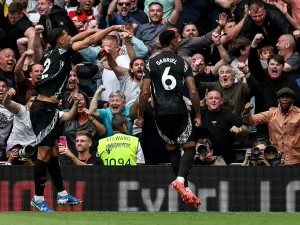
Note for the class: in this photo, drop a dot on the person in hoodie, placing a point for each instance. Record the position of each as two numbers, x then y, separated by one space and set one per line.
52 16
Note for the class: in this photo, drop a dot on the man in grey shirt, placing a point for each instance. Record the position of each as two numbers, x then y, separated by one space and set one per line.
149 32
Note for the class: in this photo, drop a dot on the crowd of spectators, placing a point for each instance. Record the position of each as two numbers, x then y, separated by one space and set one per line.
244 55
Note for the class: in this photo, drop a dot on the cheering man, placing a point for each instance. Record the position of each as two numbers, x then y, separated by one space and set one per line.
167 73
44 114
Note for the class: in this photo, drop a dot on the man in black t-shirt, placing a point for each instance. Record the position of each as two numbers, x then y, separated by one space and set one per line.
166 73
44 114
17 25
220 126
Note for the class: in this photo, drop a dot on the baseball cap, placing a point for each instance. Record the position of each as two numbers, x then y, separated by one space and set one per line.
53 35
285 91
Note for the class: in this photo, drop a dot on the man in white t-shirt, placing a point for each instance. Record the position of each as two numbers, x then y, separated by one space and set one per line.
6 119
22 133
109 78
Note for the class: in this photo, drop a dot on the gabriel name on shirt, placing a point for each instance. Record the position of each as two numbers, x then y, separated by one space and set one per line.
166 60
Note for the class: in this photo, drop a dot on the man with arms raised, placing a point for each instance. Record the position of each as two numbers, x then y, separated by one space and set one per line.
44 113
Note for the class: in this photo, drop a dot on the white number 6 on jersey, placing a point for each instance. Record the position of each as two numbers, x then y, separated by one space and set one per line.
168 78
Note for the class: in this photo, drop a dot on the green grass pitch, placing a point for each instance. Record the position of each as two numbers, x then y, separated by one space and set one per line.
123 218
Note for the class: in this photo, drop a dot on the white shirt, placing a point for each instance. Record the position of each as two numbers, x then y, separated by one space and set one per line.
110 80
22 132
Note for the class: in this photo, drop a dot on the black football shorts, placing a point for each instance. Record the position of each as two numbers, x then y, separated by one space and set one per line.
175 128
44 118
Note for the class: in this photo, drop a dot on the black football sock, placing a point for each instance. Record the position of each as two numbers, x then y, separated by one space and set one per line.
175 160
55 173
186 162
40 176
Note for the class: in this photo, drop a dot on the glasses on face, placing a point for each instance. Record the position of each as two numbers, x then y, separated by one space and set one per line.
124 3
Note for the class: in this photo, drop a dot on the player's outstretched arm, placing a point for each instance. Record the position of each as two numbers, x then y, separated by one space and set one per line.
73 111
95 38
194 96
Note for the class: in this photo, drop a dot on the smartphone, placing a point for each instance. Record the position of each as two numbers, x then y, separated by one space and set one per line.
63 141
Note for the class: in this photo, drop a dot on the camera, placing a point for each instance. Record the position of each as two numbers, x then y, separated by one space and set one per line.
271 153
202 150
255 153
26 152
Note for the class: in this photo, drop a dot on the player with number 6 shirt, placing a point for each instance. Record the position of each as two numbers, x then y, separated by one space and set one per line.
166 73
44 114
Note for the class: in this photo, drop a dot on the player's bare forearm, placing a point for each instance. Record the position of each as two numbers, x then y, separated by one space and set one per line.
194 96
71 114
144 96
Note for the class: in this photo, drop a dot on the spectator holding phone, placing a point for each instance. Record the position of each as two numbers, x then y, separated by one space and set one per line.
83 143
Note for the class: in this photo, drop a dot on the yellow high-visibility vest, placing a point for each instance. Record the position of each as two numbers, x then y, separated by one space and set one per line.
118 150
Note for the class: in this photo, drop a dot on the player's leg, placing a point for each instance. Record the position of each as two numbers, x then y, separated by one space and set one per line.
187 159
63 198
40 178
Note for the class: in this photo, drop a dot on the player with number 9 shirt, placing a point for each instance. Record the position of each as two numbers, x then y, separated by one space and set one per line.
167 73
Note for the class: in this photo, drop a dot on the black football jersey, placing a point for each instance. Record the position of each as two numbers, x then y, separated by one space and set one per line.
57 66
168 72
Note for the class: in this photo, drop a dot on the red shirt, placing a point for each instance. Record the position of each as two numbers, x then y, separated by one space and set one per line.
87 20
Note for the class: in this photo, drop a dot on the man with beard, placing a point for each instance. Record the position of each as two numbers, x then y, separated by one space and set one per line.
7 64
52 17
130 80
6 118
149 32
235 95
83 17
122 16
220 126
283 124
270 80
287 49
190 30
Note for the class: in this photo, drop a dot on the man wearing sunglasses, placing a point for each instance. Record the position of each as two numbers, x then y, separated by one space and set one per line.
122 16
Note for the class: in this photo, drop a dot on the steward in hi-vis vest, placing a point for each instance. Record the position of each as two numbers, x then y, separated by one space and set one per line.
120 149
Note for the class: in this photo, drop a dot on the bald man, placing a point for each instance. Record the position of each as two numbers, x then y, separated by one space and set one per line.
287 49
7 64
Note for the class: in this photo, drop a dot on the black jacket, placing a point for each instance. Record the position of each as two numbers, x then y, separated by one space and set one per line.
266 95
275 25
59 18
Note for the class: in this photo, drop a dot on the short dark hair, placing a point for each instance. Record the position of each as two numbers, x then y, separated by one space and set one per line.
277 58
237 45
260 141
32 65
84 133
15 7
156 3
166 37
256 4
118 121
132 61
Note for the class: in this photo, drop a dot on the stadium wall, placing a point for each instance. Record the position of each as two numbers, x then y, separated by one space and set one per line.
147 188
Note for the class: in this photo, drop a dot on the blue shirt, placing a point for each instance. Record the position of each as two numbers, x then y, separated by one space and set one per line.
119 20
106 117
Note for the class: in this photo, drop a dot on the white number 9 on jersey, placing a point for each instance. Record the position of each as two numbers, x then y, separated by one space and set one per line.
167 80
